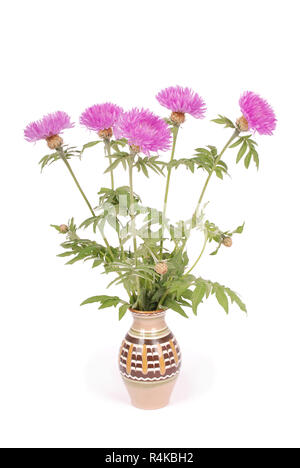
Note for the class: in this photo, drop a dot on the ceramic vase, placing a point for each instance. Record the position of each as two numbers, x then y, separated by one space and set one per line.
149 360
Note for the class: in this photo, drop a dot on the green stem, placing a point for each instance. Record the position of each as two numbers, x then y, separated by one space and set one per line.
133 225
175 135
198 259
63 157
235 134
108 152
131 208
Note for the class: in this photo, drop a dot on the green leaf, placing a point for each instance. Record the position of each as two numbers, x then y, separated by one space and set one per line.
241 152
255 157
237 143
235 298
122 310
106 301
110 302
224 121
92 299
175 306
56 227
248 159
239 229
89 145
222 298
187 294
65 254
198 295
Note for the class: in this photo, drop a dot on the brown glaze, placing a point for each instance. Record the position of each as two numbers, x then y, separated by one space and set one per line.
149 358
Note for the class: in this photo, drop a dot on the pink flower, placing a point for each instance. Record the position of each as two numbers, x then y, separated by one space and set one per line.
182 100
101 116
258 113
48 126
144 131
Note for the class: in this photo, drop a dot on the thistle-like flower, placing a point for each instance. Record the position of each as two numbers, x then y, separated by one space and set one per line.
258 115
181 101
101 118
144 131
48 128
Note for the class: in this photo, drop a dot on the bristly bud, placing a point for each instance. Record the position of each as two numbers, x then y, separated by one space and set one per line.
178 118
54 141
63 228
106 133
242 124
227 241
135 149
161 268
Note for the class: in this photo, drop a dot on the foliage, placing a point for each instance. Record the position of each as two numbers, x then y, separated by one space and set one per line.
215 234
205 158
247 146
140 231
247 151
69 152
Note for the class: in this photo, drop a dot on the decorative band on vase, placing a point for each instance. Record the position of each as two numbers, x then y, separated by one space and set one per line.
148 314
150 357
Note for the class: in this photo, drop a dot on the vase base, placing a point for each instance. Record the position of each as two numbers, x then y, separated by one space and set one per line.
148 395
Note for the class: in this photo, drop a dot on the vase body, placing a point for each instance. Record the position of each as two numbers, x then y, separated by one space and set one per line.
149 360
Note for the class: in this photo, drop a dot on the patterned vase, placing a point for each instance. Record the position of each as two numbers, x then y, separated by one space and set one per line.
149 360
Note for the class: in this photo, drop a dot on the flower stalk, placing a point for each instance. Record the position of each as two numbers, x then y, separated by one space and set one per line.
65 160
199 258
108 153
231 139
132 217
175 135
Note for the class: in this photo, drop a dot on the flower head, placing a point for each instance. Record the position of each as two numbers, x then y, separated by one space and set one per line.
49 126
101 118
182 101
144 131
258 115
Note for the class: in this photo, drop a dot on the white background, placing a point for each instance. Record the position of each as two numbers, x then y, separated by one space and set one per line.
59 382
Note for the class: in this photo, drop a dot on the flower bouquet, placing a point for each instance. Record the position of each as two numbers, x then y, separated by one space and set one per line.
148 253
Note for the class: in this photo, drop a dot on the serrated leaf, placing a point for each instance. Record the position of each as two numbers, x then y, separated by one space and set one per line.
92 299
255 157
90 144
110 302
237 143
222 298
235 298
56 227
198 295
239 229
122 310
241 152
175 306
248 159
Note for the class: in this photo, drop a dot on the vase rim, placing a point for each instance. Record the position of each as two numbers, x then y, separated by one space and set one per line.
147 312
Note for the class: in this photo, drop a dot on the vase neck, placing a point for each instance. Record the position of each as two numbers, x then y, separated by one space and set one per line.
149 321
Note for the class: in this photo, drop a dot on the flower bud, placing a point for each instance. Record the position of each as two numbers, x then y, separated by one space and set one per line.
135 149
178 117
63 228
161 268
242 124
54 141
106 133
227 241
